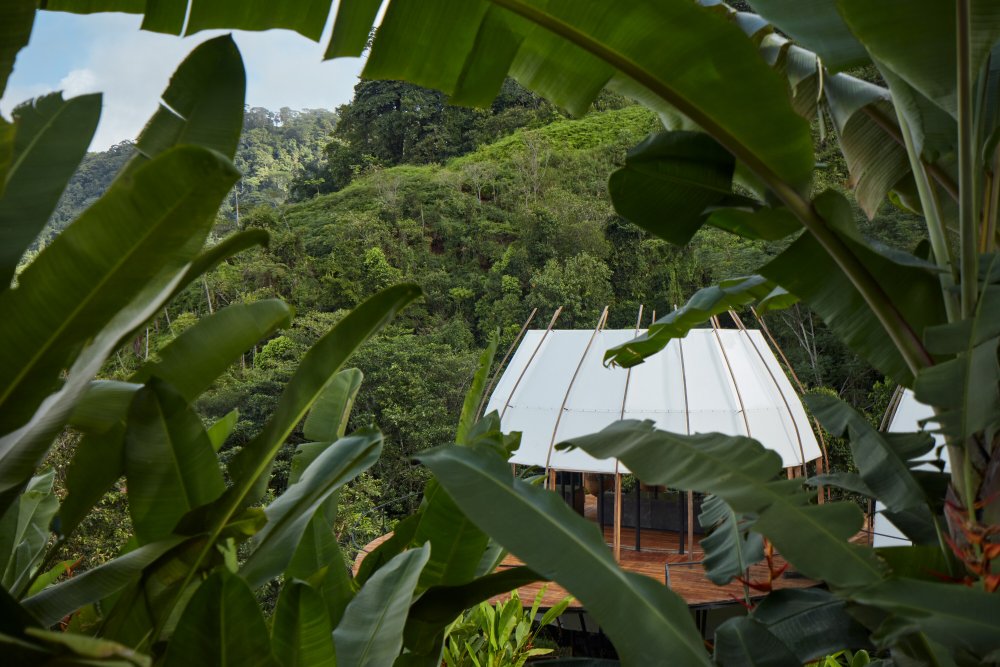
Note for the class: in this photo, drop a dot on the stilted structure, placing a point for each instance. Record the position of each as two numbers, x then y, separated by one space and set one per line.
557 387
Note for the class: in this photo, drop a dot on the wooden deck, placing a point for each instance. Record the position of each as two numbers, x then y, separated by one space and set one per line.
659 548
687 576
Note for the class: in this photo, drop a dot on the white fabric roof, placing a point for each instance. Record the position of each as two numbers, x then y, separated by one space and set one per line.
655 390
907 419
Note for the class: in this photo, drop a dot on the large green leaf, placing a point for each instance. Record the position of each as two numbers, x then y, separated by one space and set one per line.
911 286
317 369
51 137
934 130
223 427
814 538
401 539
89 587
474 396
811 623
155 221
307 17
221 626
202 105
6 150
45 579
221 251
877 162
800 67
730 548
644 619
317 551
68 648
102 406
22 450
966 388
289 515
16 19
94 6
882 467
759 223
457 545
147 601
371 632
567 50
916 39
743 641
192 361
301 635
706 302
169 461
327 421
352 27
189 363
816 25
24 532
669 180
958 617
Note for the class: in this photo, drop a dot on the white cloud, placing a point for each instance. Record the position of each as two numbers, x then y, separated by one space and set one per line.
132 67
79 82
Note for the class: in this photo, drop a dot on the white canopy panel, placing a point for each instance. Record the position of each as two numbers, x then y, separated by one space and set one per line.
909 413
687 388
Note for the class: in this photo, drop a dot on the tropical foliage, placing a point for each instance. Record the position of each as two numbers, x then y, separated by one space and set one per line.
501 634
736 93
205 537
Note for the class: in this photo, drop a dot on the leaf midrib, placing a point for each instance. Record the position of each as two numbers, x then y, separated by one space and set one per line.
609 566
37 137
108 276
372 636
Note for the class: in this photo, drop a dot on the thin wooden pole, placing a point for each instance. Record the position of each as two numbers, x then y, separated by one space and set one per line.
801 387
774 380
617 537
552 323
579 365
687 428
489 387
208 296
890 411
732 376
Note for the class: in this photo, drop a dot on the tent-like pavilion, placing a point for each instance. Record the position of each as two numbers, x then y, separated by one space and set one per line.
557 387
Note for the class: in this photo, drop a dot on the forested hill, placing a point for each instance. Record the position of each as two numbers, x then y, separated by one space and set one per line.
492 212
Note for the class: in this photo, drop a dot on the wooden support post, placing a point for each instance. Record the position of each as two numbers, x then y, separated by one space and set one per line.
687 428
617 541
638 515
600 502
690 523
618 477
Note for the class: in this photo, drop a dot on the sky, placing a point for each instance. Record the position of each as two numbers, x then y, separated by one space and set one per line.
108 53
